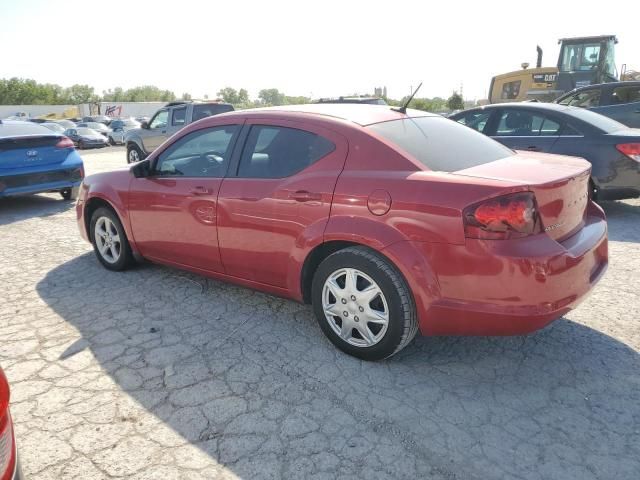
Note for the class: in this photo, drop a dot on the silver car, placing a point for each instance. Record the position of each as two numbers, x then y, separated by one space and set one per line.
165 122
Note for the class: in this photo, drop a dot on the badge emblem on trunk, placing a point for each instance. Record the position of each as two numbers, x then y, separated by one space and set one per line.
32 153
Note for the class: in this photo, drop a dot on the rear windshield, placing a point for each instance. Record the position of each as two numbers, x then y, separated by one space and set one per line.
441 144
606 124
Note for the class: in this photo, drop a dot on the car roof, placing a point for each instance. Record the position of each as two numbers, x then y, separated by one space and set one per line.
361 114
18 128
533 105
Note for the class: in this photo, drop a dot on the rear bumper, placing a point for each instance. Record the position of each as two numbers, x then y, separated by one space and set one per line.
512 287
38 181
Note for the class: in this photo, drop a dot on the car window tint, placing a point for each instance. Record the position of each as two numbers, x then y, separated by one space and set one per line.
521 123
570 130
625 95
441 144
476 119
160 120
204 153
179 116
278 152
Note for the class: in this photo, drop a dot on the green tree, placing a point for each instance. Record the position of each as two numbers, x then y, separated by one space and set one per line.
76 94
186 96
455 101
271 96
296 100
239 98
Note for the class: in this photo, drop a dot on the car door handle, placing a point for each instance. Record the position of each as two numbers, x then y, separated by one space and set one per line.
200 191
304 196
533 148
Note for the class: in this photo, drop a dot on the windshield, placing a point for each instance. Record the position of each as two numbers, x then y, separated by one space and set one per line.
606 124
441 144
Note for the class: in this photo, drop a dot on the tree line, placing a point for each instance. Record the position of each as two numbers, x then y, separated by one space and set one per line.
19 91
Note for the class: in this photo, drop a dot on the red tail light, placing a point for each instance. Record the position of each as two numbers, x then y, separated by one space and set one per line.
7 447
631 150
510 216
65 142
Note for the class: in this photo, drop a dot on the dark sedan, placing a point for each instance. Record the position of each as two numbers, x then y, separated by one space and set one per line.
612 148
83 137
618 100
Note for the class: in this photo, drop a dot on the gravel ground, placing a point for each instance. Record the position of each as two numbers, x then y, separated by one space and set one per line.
157 373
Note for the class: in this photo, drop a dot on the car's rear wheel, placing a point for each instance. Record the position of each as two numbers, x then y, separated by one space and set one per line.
111 141
134 154
363 304
80 145
69 193
110 240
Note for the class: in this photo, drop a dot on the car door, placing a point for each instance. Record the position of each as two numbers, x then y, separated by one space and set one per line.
173 211
156 132
526 129
281 191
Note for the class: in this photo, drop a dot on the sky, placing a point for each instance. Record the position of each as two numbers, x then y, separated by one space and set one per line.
316 49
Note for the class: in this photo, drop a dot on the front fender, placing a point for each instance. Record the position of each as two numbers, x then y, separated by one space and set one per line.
133 136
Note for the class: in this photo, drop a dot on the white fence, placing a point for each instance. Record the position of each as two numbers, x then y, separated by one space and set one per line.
111 109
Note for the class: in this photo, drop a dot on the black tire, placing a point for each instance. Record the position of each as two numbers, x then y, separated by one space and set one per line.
125 258
81 145
403 322
112 142
132 152
70 193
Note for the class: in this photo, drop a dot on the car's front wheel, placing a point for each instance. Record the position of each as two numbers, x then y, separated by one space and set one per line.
110 240
363 304
134 154
112 141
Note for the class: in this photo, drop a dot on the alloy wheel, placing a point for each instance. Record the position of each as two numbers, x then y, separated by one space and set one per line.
355 307
108 240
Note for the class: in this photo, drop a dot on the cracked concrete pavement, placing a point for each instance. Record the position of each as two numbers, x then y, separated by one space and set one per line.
157 373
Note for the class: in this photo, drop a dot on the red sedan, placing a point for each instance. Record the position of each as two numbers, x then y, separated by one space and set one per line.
387 222
9 465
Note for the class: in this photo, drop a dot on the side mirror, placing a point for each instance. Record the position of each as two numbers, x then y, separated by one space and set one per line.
141 169
144 125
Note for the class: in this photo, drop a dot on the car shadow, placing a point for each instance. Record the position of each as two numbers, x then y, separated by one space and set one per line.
16 209
623 219
251 381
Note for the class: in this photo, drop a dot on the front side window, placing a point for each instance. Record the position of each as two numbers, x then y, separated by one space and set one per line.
204 153
585 99
160 119
510 90
278 152
179 116
441 144
521 123
476 119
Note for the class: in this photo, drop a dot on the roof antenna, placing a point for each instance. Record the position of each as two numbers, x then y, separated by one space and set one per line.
403 108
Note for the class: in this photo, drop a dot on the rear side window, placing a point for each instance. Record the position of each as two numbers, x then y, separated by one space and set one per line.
522 123
205 110
605 124
625 95
441 144
278 152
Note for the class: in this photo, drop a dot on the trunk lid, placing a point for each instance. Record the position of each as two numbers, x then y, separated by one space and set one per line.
560 185
31 151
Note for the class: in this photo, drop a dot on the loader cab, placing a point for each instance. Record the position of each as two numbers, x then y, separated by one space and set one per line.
585 61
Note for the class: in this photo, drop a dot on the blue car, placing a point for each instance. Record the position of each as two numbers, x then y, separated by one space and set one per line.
613 149
34 159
